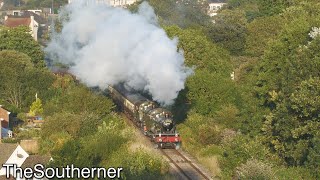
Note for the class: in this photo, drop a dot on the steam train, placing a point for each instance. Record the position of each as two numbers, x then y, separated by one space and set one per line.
155 121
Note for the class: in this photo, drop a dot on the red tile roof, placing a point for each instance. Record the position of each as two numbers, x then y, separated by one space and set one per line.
17 21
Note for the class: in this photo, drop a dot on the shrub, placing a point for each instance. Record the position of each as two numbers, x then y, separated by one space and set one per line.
254 170
209 134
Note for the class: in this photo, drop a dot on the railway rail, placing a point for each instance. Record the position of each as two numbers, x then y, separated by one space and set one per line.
186 167
179 162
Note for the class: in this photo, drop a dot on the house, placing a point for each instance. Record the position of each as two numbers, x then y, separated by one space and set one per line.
6 133
11 154
114 3
20 12
5 117
214 6
32 160
15 154
30 18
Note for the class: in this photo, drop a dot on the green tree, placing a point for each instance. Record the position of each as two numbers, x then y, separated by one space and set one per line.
241 149
211 82
292 128
271 7
229 30
78 99
209 92
141 165
20 40
45 3
20 81
187 13
260 32
199 52
36 107
13 65
291 58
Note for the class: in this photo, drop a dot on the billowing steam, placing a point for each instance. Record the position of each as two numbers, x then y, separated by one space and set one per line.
107 45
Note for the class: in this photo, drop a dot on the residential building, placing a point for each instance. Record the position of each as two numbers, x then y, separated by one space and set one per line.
21 12
28 18
214 6
5 117
7 121
32 160
11 154
15 154
6 133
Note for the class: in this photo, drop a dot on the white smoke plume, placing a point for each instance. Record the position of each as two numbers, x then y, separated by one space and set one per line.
107 45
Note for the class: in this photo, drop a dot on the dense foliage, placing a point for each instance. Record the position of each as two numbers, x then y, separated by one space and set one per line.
267 119
20 80
18 39
262 123
183 13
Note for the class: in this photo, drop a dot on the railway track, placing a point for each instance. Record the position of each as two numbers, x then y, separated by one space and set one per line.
180 164
184 166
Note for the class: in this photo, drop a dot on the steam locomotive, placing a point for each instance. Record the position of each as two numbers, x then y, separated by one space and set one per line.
155 121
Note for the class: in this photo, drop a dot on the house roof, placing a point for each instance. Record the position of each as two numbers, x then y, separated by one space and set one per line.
37 18
17 21
6 149
35 159
4 178
1 106
24 19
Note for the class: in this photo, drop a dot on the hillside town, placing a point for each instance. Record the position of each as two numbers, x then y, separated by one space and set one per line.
149 89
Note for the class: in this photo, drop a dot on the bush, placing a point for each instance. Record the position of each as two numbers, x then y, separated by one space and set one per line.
27 134
255 170
242 148
228 115
209 134
211 150
9 140
139 164
295 173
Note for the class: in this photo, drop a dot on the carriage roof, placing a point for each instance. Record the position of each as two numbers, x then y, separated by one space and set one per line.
136 98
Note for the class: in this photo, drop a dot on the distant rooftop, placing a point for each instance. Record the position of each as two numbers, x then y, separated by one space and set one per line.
37 18
32 160
17 21
6 149
23 19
